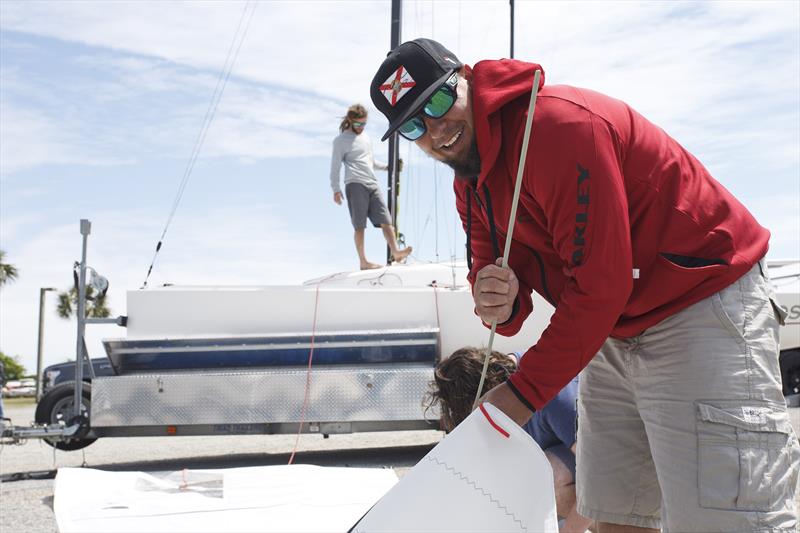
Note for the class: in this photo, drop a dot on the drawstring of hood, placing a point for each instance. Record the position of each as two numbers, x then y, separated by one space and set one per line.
492 226
469 229
493 235
489 215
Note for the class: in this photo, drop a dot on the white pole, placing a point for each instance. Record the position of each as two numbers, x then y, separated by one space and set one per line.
40 344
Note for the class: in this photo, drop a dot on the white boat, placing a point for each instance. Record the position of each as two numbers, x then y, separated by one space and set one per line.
418 298
342 353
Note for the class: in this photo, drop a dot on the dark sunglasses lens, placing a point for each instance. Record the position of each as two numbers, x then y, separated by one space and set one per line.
412 129
440 103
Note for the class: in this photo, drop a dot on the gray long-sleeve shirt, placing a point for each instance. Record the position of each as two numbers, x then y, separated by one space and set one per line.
355 151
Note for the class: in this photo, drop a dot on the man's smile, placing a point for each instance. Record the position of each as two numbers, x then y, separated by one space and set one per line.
453 139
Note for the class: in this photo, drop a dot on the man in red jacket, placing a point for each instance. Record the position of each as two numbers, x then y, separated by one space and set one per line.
656 271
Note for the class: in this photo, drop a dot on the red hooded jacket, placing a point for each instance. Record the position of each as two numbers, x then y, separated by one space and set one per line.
618 226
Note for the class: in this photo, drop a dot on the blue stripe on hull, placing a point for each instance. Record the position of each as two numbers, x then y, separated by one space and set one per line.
398 346
281 357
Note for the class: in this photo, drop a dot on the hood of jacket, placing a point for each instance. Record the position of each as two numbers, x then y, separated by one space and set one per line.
494 84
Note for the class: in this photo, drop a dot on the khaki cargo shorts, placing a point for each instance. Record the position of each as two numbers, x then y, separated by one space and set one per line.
366 202
685 427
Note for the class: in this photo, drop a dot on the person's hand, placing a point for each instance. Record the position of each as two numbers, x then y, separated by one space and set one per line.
337 197
494 292
399 165
505 400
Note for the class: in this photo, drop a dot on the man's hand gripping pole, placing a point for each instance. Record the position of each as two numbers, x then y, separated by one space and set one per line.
512 218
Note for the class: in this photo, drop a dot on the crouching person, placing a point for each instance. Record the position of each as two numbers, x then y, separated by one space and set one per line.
553 427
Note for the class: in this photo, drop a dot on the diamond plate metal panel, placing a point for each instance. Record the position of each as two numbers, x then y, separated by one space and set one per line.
340 394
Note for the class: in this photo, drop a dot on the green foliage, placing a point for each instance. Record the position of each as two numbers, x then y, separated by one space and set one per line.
12 367
68 302
7 272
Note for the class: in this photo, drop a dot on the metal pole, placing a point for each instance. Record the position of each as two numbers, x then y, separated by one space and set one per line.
40 346
86 229
393 178
511 3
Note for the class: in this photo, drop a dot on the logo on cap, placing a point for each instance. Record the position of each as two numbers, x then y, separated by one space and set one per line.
397 85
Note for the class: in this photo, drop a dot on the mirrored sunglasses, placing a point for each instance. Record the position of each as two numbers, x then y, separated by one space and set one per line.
436 107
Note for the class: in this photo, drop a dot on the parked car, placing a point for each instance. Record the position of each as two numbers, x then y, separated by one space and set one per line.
19 388
63 372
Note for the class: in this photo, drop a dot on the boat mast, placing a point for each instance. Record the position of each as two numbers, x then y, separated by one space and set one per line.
393 179
393 184
511 55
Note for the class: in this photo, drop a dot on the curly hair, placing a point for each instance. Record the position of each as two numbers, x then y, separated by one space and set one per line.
455 381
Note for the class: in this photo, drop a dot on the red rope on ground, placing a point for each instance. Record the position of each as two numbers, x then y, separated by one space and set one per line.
308 374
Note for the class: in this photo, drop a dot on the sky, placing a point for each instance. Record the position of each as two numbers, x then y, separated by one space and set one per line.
102 103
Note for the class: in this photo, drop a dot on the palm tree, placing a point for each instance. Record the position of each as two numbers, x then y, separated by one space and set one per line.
95 306
7 272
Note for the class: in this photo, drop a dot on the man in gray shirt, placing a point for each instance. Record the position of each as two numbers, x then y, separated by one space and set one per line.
353 148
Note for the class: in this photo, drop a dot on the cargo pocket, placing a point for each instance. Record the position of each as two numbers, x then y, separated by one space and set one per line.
747 455
780 312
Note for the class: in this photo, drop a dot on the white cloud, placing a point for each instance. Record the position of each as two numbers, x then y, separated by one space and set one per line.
281 48
158 113
261 123
31 138
682 65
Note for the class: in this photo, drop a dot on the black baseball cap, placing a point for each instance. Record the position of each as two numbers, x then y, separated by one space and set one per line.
408 77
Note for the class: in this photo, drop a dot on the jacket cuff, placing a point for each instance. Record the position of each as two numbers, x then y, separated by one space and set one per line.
510 320
513 315
520 397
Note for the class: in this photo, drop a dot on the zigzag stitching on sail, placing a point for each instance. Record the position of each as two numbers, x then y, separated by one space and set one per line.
475 486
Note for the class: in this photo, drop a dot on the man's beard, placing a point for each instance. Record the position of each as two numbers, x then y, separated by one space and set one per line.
470 165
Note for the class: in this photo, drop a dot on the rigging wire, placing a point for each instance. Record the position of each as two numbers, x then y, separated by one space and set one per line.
417 192
416 16
456 225
445 219
490 28
433 6
458 41
408 184
436 209
557 36
222 81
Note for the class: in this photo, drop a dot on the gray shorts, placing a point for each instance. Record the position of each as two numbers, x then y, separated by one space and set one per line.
685 426
363 202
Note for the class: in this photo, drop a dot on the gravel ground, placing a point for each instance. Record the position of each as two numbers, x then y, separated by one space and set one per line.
26 505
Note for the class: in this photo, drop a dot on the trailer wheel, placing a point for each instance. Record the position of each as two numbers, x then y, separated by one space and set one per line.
57 405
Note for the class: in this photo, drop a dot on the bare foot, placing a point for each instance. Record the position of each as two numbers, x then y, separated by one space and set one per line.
370 266
401 255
